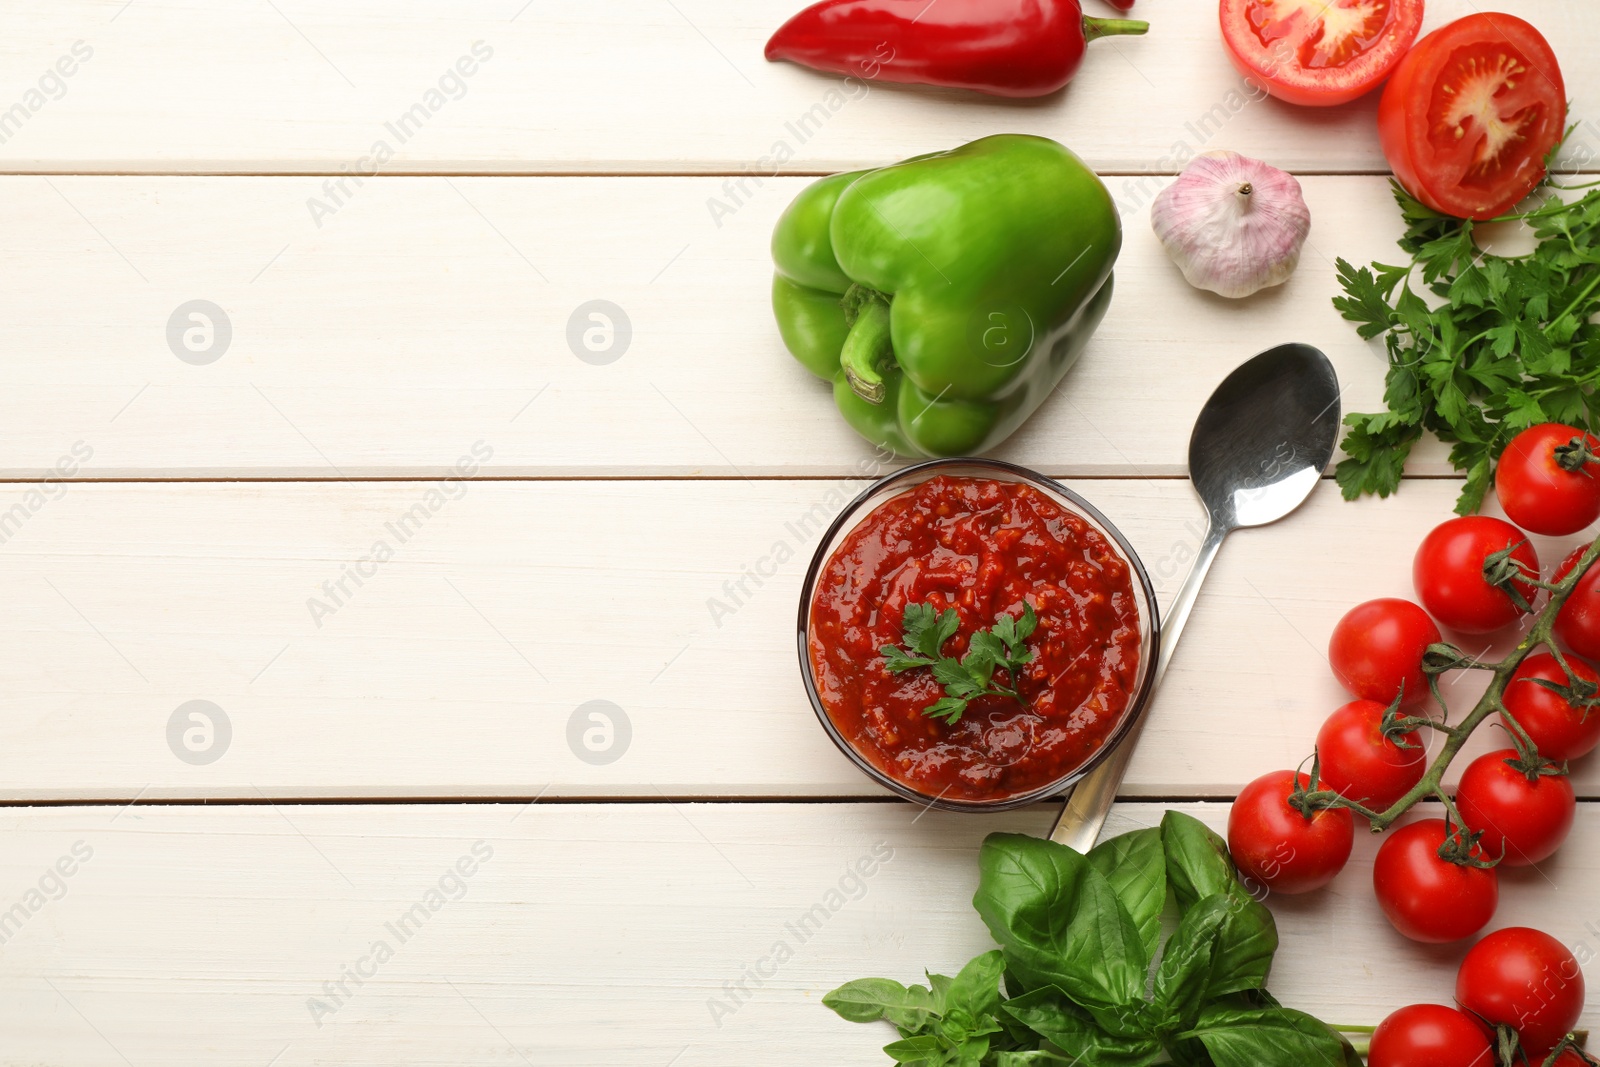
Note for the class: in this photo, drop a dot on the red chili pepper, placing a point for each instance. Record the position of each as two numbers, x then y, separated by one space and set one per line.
1004 47
1121 5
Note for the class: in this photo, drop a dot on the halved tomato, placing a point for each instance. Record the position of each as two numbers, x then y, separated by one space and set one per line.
1319 52
1471 113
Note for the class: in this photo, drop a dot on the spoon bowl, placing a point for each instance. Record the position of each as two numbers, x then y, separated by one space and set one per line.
1266 435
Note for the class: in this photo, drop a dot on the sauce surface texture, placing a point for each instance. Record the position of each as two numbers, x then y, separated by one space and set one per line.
982 547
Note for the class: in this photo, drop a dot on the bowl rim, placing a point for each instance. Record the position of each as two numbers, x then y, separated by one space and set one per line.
913 475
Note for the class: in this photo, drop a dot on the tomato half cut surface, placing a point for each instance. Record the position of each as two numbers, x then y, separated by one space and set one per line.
1471 113
1319 52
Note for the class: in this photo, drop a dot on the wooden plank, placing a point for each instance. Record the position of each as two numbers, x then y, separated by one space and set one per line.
588 934
458 666
626 86
432 313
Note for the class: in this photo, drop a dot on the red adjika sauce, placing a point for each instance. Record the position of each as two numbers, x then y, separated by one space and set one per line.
982 547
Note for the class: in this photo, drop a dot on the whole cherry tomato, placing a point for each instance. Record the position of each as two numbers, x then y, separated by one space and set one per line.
1449 573
1524 979
1578 621
1426 897
1273 843
1359 761
1430 1035
1561 731
1523 819
1446 116
1378 646
1548 480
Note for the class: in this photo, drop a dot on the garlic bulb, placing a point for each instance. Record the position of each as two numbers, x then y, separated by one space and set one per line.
1232 224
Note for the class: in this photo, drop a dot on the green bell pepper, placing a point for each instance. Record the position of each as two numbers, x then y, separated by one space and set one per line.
946 296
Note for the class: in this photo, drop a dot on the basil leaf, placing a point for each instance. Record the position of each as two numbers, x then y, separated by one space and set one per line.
1048 1013
976 990
1136 867
1183 981
1046 1058
1243 957
1250 999
971 1053
1189 1053
1198 864
923 1051
1036 1058
867 1000
1267 1037
1223 945
1013 1035
1059 922
958 1027
940 986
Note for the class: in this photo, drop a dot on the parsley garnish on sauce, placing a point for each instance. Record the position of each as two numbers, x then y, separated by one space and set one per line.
924 630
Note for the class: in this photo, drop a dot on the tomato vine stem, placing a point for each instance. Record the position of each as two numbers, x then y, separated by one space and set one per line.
1491 703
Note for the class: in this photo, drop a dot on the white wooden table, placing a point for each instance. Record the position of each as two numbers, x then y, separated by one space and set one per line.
417 725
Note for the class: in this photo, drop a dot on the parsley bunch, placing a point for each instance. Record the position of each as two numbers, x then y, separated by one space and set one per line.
924 630
1505 343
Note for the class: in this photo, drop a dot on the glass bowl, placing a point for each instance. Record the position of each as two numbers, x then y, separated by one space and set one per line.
899 482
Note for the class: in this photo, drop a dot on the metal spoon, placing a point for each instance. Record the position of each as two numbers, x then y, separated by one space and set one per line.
1258 449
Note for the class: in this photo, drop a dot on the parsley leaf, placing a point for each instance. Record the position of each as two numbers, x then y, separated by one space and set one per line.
950 709
1014 632
1480 347
1368 299
924 629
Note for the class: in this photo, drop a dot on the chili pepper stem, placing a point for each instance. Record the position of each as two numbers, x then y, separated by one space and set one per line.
1094 29
867 348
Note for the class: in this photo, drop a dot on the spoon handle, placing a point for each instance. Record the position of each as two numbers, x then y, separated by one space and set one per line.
1090 802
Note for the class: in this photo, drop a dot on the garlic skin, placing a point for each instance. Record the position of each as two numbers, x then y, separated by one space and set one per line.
1232 224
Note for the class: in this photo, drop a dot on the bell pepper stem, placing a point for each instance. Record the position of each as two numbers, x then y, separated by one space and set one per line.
867 349
1094 29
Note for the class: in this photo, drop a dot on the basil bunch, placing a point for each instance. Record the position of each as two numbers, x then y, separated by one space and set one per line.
1078 939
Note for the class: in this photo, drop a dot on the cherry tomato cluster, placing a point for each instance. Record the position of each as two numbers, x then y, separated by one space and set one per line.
1516 981
1444 97
1436 879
